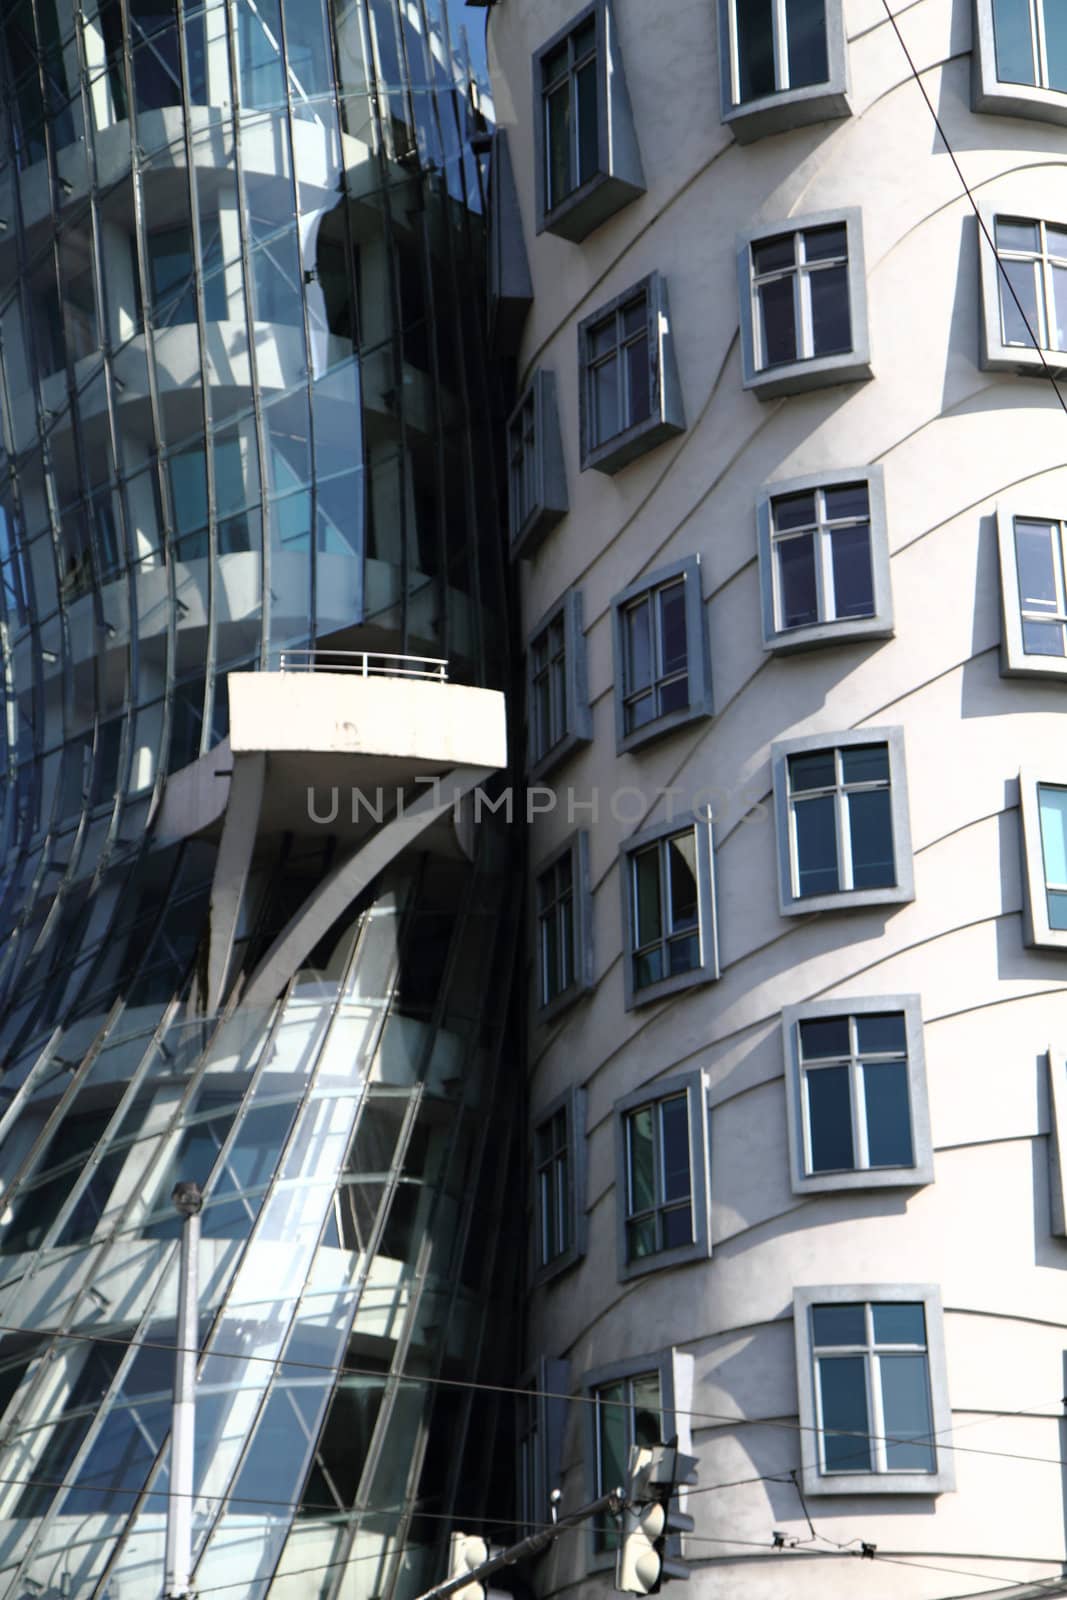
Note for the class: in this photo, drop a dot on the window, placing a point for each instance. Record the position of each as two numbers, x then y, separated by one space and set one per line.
539 1433
559 1181
1057 1163
510 286
537 482
784 64
558 702
843 835
641 1401
662 1176
1033 574
564 943
1044 820
662 670
1024 294
629 392
668 910
873 1395
588 162
172 278
804 305
824 561
856 1094
1021 58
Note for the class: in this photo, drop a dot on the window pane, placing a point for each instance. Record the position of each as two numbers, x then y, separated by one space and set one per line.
1053 807
641 1171
853 582
612 1435
550 982
1057 910
1044 639
677 1227
558 137
672 628
831 320
1021 277
778 321
902 1323
585 89
816 836
793 511
847 500
647 1414
879 1035
1013 234
755 48
641 1238
682 879
1058 311
871 827
865 763
646 895
811 772
843 1391
824 1037
674 1115
838 1325
798 594
684 952
771 255
638 624
638 397
1056 43
826 244
1036 564
806 26
1011 28
885 1093
605 400
906 1408
830 1120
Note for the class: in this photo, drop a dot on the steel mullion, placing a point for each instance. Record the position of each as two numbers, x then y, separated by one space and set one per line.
825 588
858 1093
1039 44
780 32
844 828
805 320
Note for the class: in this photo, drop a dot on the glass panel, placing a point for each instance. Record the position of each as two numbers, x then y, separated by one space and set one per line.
865 763
1056 43
843 1392
684 953
605 381
1057 910
1013 234
613 1451
1044 639
1011 30
557 145
899 1323
771 255
672 628
906 1410
811 772
816 838
682 879
1052 804
885 1093
674 1115
830 1120
1036 564
640 1160
831 320
755 48
826 244
847 500
871 827
806 28
824 1037
588 150
646 895
638 387
880 1035
793 511
1058 310
677 1227
853 581
638 620
842 1324
1021 275
778 321
798 596
648 1421
1056 240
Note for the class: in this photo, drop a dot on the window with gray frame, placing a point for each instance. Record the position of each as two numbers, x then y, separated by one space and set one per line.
1024 294
557 699
1033 568
564 957
662 671
669 906
873 1396
588 162
558 1180
856 1094
1056 1062
842 819
537 480
824 561
629 391
662 1175
1043 804
542 1414
1020 65
784 64
803 300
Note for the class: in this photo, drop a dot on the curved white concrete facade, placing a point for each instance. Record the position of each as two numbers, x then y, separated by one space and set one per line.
953 442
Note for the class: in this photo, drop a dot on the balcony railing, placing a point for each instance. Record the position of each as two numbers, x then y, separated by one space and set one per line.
364 663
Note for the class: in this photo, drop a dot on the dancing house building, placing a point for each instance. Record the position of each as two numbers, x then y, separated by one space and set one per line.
253 643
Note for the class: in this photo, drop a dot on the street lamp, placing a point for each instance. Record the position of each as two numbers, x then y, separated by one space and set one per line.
187 1201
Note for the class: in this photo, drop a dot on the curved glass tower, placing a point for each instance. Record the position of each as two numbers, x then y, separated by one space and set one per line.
252 640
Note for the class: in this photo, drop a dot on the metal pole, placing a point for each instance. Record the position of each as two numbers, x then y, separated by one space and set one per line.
179 1548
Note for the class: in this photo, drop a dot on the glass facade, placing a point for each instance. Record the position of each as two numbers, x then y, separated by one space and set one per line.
245 409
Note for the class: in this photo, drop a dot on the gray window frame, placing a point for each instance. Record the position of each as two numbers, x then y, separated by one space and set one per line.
549 504
826 631
995 355
921 1170
1037 932
666 416
806 372
578 724
572 1103
1015 661
576 848
545 1384
694 1086
786 108
510 287
675 1369
998 96
619 177
789 903
813 1479
1056 1061
708 970
698 655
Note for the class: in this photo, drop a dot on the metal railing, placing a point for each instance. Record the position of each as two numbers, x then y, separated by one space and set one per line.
364 663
